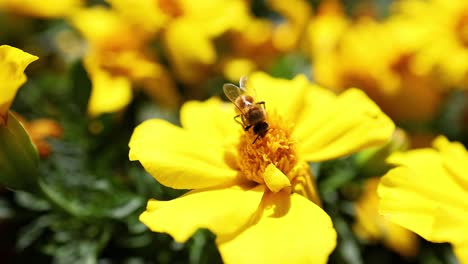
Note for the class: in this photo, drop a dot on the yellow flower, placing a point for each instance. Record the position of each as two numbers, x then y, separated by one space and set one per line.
376 57
13 62
118 59
443 25
255 46
42 9
427 193
256 197
199 23
18 155
326 28
147 14
250 49
373 227
288 34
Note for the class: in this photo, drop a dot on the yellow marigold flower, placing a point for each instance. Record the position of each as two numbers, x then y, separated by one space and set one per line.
261 41
428 192
199 23
13 62
18 156
444 27
377 57
251 49
371 226
42 9
287 35
326 28
145 13
117 60
255 197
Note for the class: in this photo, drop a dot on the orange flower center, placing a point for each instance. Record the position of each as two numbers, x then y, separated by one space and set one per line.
276 147
462 28
171 7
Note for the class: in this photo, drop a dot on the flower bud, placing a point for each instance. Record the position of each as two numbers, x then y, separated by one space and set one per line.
19 159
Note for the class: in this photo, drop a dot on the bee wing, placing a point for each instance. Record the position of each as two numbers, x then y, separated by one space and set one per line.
243 82
250 90
232 92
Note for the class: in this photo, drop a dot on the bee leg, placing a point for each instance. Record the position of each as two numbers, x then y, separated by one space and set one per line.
255 139
261 103
237 120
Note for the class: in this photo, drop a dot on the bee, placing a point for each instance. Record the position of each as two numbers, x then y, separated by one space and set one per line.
252 114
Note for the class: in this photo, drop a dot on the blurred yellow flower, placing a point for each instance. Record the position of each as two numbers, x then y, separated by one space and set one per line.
443 25
147 14
373 227
189 35
13 62
250 49
261 40
42 9
377 58
118 58
258 198
296 13
325 29
428 192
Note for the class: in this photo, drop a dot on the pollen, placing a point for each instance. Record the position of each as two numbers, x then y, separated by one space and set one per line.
276 147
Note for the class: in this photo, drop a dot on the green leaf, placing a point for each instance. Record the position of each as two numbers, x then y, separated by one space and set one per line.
31 232
31 201
336 173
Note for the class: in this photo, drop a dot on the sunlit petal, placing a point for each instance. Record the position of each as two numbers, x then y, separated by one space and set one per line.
223 211
13 62
213 119
178 158
424 197
282 97
345 125
275 179
109 93
291 230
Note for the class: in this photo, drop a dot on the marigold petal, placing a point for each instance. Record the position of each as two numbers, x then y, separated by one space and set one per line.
178 158
455 158
109 93
422 196
461 251
281 96
223 211
348 124
188 60
105 29
373 227
275 179
13 62
212 118
291 230
42 9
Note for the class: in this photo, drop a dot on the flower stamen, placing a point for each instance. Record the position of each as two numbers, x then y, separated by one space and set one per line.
276 147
